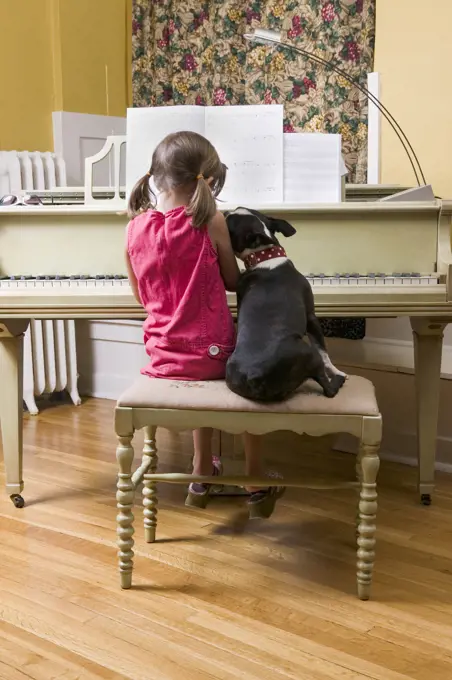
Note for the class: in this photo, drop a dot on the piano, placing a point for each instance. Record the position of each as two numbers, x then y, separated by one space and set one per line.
364 258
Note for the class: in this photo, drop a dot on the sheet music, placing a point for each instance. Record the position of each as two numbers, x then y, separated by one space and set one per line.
147 127
249 140
313 167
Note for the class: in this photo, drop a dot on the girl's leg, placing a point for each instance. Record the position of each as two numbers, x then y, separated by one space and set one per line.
262 501
202 461
253 458
203 464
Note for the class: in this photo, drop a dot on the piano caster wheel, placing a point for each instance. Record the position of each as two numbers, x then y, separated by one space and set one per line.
426 499
18 501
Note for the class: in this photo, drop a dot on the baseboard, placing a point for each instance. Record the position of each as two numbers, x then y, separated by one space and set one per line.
394 442
104 385
373 353
111 354
383 354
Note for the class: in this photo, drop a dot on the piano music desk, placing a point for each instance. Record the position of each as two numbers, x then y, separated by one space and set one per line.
364 258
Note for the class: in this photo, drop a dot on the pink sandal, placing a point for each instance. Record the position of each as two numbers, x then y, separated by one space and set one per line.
261 503
198 494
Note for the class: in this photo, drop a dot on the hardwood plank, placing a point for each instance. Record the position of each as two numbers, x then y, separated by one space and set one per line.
216 597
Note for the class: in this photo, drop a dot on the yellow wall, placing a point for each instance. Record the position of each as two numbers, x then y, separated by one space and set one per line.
26 67
70 55
93 56
414 57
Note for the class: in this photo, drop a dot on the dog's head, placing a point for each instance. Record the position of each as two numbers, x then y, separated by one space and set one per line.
251 230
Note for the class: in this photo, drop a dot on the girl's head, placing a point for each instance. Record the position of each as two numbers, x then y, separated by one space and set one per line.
187 162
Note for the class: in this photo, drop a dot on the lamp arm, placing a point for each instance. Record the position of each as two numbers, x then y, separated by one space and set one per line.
266 36
389 117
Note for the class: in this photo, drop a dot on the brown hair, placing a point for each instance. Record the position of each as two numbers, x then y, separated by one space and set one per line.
183 159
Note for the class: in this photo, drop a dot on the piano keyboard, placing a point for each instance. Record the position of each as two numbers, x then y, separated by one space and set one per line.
100 284
396 279
76 284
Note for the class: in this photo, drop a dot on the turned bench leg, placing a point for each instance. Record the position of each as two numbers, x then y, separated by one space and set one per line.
150 499
369 463
125 496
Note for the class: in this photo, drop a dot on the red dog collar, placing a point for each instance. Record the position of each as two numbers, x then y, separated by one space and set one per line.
262 255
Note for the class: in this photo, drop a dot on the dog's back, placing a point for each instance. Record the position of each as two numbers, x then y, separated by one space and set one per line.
271 358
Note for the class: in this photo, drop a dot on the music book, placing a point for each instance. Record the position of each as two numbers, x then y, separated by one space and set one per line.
249 140
313 168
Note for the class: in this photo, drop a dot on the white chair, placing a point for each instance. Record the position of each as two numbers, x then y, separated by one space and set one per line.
172 404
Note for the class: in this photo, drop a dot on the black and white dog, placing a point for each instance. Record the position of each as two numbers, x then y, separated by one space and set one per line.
280 342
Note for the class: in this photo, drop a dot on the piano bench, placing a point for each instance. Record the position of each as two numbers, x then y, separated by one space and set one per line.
174 404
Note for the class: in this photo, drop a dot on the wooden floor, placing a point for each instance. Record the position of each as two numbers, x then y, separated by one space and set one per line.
215 598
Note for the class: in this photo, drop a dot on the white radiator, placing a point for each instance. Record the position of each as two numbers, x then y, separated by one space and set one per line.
50 355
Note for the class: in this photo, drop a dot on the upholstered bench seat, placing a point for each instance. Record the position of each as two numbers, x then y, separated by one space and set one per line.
175 404
356 397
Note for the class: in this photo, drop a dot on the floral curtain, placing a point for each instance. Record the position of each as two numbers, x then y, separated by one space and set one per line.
194 53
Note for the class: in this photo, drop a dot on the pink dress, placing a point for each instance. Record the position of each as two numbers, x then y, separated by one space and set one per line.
189 333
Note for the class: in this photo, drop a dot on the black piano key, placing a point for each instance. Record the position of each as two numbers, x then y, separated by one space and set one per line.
397 274
100 277
415 275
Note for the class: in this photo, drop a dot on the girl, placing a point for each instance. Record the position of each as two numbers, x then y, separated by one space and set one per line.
180 263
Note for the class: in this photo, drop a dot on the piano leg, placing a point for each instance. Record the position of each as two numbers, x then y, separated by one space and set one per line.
11 404
428 343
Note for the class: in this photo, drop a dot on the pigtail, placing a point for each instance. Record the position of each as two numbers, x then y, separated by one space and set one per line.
202 206
141 197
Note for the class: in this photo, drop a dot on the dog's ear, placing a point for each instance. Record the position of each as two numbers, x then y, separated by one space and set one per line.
281 226
274 224
236 233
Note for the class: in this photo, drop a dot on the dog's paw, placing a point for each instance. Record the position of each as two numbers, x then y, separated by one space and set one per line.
337 381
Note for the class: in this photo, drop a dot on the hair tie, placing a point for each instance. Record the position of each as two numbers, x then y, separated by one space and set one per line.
200 176
148 174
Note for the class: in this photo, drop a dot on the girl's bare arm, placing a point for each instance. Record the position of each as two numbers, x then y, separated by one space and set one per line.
131 274
221 241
